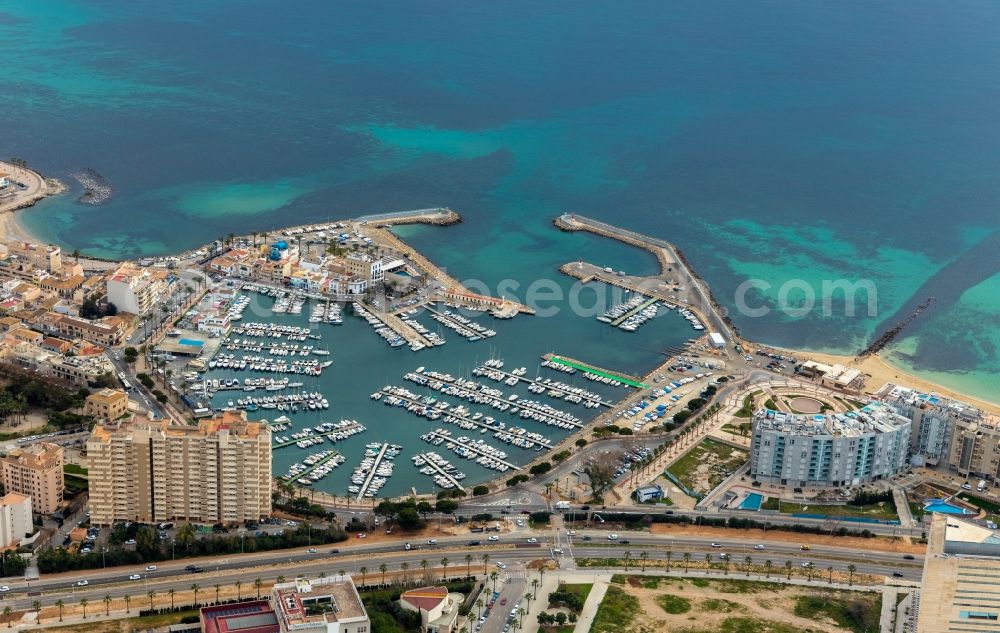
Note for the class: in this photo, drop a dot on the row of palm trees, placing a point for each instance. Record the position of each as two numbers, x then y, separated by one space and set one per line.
685 436
748 565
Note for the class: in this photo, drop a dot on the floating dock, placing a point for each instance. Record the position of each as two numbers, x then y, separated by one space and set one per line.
374 470
542 383
440 470
327 436
634 311
472 448
631 381
305 473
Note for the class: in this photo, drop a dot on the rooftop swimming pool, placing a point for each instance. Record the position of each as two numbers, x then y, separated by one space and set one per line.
943 507
753 501
191 341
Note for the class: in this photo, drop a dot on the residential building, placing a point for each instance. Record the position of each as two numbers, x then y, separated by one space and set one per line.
255 616
43 256
958 592
106 404
107 331
365 266
438 609
15 518
323 605
651 492
151 471
135 289
834 450
846 379
37 472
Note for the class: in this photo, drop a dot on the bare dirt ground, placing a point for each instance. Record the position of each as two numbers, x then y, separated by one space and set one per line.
710 607
883 544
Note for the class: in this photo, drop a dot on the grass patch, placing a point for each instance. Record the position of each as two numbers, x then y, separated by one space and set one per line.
747 409
857 613
719 605
745 625
769 403
616 612
131 624
722 461
982 504
883 510
700 582
74 469
580 589
674 605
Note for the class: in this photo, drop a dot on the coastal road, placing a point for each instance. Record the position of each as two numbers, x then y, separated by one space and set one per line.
268 566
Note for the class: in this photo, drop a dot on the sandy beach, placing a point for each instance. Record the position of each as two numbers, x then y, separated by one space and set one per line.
37 189
880 372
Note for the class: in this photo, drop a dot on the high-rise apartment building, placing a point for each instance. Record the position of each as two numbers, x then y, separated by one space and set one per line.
35 471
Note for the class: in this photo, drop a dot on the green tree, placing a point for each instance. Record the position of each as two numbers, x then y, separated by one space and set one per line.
107 605
185 536
60 605
151 594
850 570
194 588
83 605
147 542
257 583
444 574
6 615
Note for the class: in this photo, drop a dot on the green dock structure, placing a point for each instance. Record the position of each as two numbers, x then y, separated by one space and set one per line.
591 369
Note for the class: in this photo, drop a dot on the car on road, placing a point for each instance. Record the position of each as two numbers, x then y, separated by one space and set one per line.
432 541
716 545
807 565
135 577
493 538
571 532
475 543
503 602
624 541
587 538
407 547
896 574
362 535
758 546
612 537
501 565
532 540
908 557
131 541
4 589
311 550
805 548
82 583
150 567
723 556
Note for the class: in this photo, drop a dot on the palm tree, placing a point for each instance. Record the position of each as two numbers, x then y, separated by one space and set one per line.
534 586
171 592
83 605
151 594
406 568
59 605
107 606
788 568
468 565
217 587
444 573
36 605
280 579
708 561
128 599
486 559
850 570
238 583
725 565
256 585
479 604
6 615
687 561
767 568
194 588
748 560
643 556
628 555
830 572
383 568
669 556
493 576
423 566
527 598
364 572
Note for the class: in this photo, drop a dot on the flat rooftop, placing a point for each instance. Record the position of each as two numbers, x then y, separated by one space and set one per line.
874 417
307 603
243 617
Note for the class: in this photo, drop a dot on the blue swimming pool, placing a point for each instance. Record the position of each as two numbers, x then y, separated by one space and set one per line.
940 505
753 501
191 341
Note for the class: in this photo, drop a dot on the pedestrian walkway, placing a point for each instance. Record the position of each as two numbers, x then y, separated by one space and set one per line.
902 508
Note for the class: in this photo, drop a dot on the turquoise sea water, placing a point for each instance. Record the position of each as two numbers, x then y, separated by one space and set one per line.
771 140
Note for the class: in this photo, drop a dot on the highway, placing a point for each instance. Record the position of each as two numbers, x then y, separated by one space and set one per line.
351 556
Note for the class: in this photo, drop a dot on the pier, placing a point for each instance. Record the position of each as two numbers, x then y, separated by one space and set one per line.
371 473
305 473
394 392
440 471
485 371
351 429
631 381
460 328
472 448
636 310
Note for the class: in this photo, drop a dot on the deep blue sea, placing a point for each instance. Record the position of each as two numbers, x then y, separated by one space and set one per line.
795 140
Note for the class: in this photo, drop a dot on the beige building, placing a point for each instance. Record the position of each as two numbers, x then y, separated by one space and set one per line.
150 471
135 289
323 605
15 518
975 448
106 404
438 609
959 591
35 471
